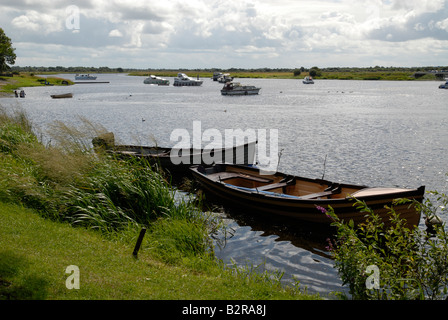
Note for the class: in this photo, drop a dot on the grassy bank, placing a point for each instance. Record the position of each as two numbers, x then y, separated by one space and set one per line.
22 80
331 75
63 205
35 253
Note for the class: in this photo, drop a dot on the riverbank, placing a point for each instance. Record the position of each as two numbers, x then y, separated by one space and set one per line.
35 253
62 206
9 84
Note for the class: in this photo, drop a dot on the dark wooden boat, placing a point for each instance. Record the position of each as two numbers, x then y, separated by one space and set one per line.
178 161
62 96
298 197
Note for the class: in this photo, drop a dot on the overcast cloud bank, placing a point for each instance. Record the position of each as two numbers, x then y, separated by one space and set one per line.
225 34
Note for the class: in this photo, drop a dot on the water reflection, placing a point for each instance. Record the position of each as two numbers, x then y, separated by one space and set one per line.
277 244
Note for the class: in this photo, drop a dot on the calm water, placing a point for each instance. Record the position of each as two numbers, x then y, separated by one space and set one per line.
369 132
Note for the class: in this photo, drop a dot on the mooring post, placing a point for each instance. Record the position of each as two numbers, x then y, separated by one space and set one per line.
139 242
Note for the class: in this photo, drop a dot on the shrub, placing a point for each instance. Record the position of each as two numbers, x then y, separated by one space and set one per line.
406 264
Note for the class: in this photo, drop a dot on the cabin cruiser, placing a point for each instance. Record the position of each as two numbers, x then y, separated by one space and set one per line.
84 77
236 88
308 80
225 78
156 80
183 80
216 75
444 86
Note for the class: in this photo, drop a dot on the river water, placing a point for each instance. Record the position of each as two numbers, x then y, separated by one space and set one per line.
376 133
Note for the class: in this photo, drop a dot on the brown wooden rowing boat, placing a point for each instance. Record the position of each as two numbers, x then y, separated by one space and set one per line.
62 96
299 197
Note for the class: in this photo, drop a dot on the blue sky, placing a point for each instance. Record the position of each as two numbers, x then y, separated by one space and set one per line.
224 34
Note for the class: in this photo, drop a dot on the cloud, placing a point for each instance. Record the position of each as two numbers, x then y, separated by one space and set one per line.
37 22
412 26
246 33
115 33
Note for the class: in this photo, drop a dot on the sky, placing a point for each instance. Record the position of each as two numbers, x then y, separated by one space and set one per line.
202 34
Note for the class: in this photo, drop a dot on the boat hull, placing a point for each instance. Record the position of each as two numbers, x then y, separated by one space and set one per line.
178 161
298 207
242 92
62 96
191 83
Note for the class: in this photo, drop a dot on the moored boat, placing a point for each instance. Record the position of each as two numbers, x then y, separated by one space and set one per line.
216 75
444 86
224 78
236 88
84 77
176 160
62 96
301 198
156 80
308 80
183 80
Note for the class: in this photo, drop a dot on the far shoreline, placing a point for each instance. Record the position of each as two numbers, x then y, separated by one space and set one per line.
28 79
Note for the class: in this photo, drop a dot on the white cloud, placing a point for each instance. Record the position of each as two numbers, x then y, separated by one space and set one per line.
246 33
36 21
115 33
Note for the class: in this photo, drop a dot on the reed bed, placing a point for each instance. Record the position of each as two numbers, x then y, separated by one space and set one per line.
68 182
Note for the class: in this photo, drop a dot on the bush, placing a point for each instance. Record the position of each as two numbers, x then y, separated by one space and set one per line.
406 264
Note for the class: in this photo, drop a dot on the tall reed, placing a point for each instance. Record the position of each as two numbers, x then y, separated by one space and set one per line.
66 181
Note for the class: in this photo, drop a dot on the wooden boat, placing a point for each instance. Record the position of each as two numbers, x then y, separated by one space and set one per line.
178 161
299 197
62 96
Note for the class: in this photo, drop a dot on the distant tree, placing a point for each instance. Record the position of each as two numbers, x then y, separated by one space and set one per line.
7 54
315 72
297 72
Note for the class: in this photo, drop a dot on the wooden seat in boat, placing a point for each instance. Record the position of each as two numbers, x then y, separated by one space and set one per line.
328 192
284 183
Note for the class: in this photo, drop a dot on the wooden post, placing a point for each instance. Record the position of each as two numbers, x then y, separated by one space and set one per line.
139 242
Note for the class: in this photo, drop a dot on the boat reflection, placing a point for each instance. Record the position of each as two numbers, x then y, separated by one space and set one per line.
304 235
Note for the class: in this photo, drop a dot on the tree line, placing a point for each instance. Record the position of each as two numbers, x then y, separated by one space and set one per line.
296 71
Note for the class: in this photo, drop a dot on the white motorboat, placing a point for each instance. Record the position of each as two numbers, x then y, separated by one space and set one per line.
237 89
156 80
225 78
444 86
84 77
183 80
308 80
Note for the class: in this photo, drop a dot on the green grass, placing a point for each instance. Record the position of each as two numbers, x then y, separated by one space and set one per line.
9 84
35 253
